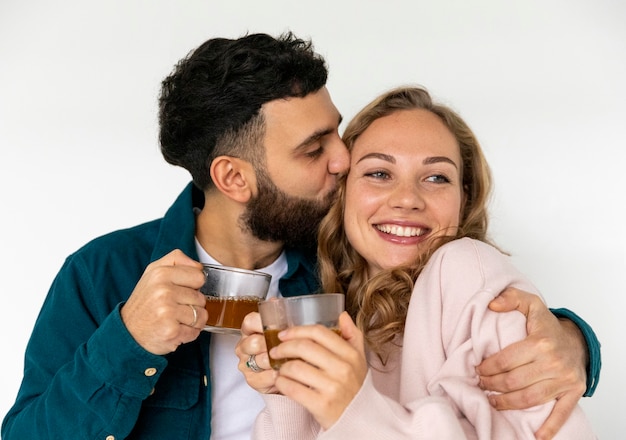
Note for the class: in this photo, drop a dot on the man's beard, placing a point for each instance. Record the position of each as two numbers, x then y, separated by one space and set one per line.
276 216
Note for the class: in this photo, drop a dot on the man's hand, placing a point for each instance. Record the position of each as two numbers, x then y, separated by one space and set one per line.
166 309
549 364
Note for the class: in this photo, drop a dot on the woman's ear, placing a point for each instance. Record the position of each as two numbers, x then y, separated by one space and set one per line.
234 177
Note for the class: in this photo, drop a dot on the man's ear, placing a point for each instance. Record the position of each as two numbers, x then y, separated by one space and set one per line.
234 177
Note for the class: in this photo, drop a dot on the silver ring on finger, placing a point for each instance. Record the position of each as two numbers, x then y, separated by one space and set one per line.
251 364
195 315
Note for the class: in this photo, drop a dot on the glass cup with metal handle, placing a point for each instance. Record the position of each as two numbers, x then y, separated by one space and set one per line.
231 293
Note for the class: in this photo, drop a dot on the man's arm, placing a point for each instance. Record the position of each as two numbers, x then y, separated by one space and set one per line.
78 369
560 359
594 358
81 390
93 360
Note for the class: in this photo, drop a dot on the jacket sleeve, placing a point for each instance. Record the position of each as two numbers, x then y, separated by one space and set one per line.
85 377
593 348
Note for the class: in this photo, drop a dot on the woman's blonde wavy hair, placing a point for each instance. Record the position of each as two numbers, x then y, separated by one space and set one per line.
379 305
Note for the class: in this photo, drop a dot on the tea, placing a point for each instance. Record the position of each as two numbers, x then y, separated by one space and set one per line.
271 340
229 311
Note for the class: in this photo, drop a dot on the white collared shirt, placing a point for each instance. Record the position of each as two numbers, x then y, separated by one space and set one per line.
234 404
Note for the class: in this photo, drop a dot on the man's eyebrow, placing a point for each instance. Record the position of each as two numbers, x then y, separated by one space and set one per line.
317 136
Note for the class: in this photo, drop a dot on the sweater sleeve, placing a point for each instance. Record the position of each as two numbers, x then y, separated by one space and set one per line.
84 374
369 415
461 280
284 419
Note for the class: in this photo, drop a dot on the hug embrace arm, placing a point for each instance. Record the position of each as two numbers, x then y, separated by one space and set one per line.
556 360
594 364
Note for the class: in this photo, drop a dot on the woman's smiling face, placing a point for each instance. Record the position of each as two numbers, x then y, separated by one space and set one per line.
404 186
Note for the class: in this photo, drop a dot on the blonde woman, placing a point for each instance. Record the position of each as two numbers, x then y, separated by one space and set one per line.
407 243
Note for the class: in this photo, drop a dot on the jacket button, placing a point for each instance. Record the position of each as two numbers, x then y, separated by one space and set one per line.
150 372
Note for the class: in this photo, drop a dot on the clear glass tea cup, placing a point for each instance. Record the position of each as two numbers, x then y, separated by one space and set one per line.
278 314
231 293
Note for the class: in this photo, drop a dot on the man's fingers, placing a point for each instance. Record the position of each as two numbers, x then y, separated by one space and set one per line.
176 258
557 418
509 358
193 315
534 395
174 268
515 299
515 380
509 300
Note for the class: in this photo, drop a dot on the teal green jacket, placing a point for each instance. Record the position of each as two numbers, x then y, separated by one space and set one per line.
85 377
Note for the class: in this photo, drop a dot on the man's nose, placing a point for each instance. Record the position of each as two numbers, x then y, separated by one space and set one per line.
339 157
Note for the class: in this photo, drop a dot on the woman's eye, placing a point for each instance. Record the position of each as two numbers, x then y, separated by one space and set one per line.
438 178
378 175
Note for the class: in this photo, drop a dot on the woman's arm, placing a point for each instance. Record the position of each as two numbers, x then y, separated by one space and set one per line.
326 396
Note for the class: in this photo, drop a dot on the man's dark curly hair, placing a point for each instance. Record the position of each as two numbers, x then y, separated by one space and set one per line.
210 104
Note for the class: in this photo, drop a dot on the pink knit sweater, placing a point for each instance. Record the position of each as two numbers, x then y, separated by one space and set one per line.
428 389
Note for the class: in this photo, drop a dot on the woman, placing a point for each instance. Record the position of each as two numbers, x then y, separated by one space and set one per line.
407 243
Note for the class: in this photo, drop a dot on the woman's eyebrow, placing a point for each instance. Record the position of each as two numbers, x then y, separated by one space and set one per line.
381 156
437 159
427 161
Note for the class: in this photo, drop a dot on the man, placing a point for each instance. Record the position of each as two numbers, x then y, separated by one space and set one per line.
117 351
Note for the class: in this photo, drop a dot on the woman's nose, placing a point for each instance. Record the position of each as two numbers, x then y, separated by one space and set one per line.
406 195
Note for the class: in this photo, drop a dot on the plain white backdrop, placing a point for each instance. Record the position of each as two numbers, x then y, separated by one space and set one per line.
541 82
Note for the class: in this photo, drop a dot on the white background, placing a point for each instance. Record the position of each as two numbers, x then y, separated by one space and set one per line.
541 82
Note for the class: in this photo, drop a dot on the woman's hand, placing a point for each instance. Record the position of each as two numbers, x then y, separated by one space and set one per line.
328 370
252 343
